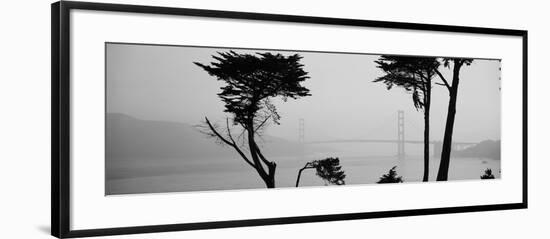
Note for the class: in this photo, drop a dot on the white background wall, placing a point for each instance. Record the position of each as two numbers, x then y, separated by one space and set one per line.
25 119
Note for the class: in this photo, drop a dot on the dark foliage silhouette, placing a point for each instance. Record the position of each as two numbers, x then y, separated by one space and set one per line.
251 81
391 177
415 75
328 169
452 86
488 174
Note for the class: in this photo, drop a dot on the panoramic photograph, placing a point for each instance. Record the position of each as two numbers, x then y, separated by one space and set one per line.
200 118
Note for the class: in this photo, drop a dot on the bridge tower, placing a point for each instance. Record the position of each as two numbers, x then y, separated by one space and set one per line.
301 131
400 134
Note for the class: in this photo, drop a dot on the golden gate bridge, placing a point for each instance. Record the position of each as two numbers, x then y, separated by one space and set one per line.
400 141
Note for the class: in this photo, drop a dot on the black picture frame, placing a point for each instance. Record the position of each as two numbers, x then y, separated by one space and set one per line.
60 117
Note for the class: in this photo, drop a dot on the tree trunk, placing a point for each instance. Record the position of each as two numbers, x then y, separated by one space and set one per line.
442 175
427 134
270 183
267 177
299 175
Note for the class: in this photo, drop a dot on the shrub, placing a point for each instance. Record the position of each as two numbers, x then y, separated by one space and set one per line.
391 177
488 174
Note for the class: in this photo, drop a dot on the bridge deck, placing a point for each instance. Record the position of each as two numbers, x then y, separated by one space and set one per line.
381 141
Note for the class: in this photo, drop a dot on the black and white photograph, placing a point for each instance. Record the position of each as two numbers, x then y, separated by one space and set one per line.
201 118
274 119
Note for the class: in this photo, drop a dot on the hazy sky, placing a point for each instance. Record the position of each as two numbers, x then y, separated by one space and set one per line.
162 83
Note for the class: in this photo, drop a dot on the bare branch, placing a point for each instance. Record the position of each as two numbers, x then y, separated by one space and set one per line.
232 144
205 129
443 79
214 132
241 138
267 162
262 123
229 131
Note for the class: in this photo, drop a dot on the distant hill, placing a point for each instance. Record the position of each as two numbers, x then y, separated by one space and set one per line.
129 137
134 145
485 149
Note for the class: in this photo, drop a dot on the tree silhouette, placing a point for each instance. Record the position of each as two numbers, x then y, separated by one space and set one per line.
251 81
488 174
328 169
415 75
391 177
452 87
